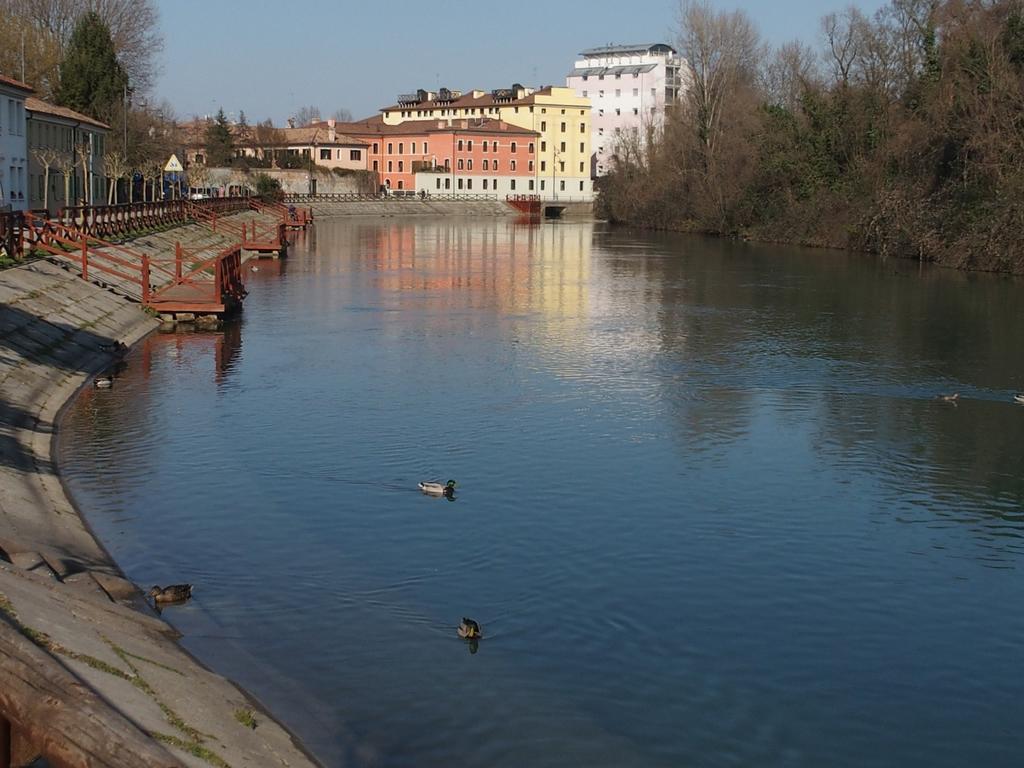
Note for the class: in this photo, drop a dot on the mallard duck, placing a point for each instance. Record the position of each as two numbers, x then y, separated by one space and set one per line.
116 348
469 630
1019 398
175 593
436 489
104 382
254 268
949 398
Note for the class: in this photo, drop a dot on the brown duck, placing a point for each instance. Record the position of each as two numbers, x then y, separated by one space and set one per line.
175 593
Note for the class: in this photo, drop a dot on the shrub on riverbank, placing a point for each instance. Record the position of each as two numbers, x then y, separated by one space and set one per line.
911 145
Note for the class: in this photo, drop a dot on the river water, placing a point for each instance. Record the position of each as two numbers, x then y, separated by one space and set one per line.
709 510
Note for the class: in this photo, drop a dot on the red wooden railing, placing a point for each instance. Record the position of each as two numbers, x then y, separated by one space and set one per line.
526 203
12 224
114 220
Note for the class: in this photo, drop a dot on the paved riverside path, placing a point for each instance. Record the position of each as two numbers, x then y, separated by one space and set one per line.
57 583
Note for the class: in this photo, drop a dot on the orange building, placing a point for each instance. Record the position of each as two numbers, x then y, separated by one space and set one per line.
481 156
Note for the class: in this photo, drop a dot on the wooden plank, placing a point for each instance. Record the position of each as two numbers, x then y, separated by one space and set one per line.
67 721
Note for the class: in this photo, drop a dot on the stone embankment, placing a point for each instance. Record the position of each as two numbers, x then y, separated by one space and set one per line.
58 586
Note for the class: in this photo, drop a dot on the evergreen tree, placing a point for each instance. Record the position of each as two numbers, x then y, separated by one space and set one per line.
220 145
91 78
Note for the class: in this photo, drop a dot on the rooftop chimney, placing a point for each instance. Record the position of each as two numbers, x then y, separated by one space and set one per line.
331 133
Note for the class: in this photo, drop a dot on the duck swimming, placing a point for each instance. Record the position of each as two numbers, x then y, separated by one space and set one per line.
175 593
436 489
469 630
949 398
1019 398
104 382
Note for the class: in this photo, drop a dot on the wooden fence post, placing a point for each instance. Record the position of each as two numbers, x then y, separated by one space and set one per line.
145 279
5 742
177 260
85 258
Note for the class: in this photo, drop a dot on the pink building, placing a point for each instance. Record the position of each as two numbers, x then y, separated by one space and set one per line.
629 87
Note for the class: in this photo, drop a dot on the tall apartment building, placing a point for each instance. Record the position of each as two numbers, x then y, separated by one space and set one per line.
629 87
13 144
560 118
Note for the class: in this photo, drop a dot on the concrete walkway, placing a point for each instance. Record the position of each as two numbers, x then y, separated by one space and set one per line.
57 583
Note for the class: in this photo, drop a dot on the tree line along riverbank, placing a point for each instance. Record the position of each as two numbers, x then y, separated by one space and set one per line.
902 135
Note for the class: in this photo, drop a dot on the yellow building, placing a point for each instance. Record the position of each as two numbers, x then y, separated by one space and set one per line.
562 160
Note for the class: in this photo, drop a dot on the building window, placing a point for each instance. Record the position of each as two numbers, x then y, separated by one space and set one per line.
563 127
562 147
582 147
485 145
513 147
618 93
543 125
512 165
355 154
486 164
531 166
561 185
401 184
469 183
413 150
583 127
543 166
461 164
460 145
391 148
512 185
618 111
469 164
438 184
325 154
636 91
494 164
581 167
401 166
401 148
543 146
636 111
460 184
375 166
531 147
584 94
531 185
391 166
485 184
542 185
447 183
376 148
581 186
561 166
654 93
469 145
425 150
600 94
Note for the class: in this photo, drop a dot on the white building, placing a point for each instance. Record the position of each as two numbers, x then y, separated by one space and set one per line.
13 144
629 87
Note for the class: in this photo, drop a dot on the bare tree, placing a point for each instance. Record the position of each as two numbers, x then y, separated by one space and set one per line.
198 176
307 116
65 163
48 158
790 70
843 40
116 167
134 27
153 172
84 153
342 115
721 50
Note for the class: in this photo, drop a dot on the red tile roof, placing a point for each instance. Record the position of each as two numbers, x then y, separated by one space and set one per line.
32 104
375 126
10 81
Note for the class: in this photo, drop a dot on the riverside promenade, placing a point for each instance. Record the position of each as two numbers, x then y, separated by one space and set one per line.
89 675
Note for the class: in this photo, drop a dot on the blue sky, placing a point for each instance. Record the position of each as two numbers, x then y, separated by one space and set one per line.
334 54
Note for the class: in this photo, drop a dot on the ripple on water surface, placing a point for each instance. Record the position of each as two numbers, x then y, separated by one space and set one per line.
709 511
